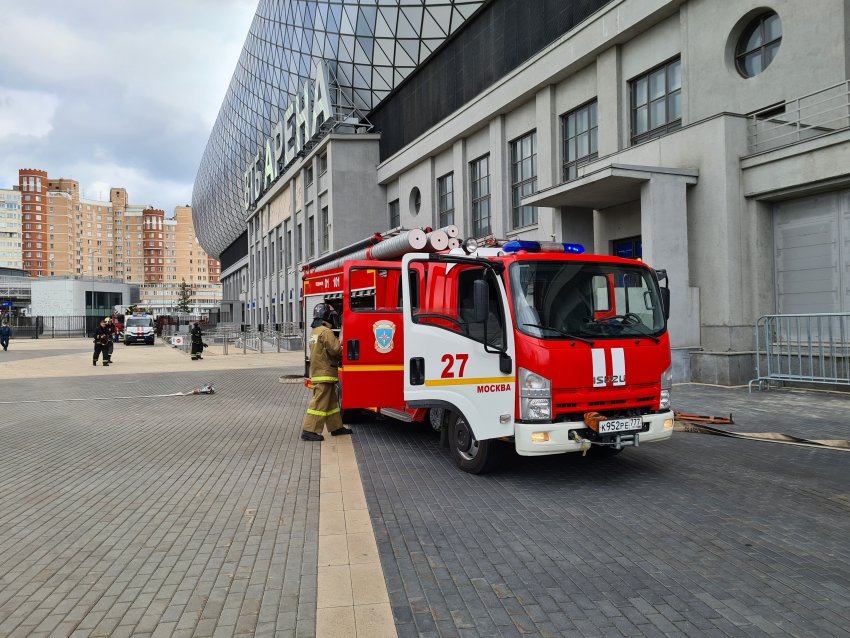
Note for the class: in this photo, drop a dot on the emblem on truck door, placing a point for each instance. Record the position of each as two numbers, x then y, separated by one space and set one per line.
384 332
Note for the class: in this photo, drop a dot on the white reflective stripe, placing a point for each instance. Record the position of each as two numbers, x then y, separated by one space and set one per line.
618 363
599 370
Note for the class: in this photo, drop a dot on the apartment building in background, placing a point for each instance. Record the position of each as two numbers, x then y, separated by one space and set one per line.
62 234
10 228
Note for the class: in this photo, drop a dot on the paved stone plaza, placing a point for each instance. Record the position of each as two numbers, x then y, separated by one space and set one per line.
200 515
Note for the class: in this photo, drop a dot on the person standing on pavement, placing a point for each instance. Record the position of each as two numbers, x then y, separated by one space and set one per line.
5 333
112 330
325 357
197 341
102 341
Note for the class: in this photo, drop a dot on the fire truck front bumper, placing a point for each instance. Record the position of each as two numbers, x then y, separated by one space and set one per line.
537 439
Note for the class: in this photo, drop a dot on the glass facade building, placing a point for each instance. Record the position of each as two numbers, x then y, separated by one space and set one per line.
368 49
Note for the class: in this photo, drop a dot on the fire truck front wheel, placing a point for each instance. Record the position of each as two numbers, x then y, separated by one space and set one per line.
470 454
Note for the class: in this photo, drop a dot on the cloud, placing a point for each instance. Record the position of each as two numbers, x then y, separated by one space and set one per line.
26 113
116 94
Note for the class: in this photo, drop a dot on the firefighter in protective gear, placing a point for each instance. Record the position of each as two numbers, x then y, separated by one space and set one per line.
102 340
325 357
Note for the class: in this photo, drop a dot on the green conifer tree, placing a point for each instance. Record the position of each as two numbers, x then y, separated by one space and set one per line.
185 299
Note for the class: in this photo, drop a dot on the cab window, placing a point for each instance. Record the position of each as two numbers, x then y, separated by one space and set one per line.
451 305
374 290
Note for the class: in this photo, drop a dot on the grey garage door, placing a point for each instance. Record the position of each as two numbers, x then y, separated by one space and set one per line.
811 239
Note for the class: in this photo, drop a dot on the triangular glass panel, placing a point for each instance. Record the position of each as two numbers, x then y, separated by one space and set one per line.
412 48
409 22
363 51
467 8
380 57
432 27
349 18
366 21
385 23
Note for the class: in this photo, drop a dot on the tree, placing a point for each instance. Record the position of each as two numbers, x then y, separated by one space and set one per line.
185 299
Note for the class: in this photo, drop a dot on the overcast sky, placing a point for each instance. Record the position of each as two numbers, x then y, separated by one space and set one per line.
116 93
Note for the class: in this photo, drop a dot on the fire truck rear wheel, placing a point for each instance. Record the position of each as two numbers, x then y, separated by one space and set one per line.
435 418
470 454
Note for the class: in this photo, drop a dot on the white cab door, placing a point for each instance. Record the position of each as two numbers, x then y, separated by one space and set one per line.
446 360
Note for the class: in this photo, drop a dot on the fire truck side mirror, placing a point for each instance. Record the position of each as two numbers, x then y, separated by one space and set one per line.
506 364
480 300
665 301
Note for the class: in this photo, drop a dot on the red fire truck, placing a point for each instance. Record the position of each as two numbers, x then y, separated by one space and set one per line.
532 343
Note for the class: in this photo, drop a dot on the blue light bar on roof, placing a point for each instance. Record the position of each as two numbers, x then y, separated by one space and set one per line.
542 247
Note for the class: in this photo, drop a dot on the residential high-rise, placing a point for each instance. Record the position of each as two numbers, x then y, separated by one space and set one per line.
10 228
65 235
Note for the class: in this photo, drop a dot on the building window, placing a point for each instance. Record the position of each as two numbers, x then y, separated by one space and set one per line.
323 164
479 182
657 102
758 45
629 248
311 236
308 178
280 253
288 250
523 178
580 139
326 230
445 188
395 214
299 237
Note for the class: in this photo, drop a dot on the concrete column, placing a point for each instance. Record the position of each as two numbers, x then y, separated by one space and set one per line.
461 185
664 233
576 227
500 186
609 91
547 157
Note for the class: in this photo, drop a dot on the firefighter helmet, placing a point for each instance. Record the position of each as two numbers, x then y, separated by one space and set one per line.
322 311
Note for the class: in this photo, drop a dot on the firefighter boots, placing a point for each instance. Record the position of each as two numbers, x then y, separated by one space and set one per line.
311 436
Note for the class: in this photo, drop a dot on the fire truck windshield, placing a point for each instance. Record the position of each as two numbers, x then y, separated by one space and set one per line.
585 301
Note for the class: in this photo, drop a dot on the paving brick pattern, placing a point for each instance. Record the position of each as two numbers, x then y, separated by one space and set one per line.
181 516
698 536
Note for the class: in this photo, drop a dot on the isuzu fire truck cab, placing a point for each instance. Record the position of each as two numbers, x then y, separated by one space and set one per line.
530 343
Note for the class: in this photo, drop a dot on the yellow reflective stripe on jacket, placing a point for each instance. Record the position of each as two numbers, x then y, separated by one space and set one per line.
320 413
324 379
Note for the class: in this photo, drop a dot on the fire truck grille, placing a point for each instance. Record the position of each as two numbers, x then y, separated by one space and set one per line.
575 411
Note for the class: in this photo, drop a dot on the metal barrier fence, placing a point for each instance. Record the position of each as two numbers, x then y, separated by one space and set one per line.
236 341
41 327
803 348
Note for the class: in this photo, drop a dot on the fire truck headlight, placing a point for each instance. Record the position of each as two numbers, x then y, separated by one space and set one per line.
533 385
666 385
535 393
535 409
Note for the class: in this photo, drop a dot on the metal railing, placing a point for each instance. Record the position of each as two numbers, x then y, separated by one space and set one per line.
42 327
236 341
820 113
804 348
